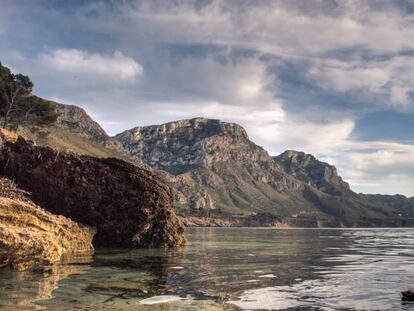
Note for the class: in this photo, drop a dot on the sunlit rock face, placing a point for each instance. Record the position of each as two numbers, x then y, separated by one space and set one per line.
177 147
31 237
129 206
214 164
308 169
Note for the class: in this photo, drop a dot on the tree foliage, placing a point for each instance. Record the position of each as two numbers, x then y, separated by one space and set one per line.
17 103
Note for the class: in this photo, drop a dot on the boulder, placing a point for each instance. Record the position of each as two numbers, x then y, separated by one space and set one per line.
31 237
128 205
407 295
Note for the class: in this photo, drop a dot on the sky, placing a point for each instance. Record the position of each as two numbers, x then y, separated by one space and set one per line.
331 78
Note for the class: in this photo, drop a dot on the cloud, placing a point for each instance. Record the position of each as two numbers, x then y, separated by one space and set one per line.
295 28
73 61
392 79
370 166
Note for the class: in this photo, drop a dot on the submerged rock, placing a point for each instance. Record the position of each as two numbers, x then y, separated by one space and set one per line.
31 237
407 295
130 206
160 299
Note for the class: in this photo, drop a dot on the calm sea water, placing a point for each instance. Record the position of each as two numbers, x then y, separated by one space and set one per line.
231 269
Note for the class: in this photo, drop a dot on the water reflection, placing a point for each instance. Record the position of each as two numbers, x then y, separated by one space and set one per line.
229 269
367 274
22 290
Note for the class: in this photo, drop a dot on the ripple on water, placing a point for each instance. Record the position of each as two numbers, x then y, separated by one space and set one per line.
315 269
160 299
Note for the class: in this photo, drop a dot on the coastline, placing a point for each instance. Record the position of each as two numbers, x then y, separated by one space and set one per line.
290 223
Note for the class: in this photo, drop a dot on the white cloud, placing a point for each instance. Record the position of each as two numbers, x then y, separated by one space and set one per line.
377 167
391 78
279 27
73 61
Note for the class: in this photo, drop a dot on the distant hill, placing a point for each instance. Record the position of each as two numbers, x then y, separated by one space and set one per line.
75 131
400 203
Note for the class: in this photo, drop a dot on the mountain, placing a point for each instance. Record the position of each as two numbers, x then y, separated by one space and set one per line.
400 203
74 130
215 166
313 172
324 177
77 121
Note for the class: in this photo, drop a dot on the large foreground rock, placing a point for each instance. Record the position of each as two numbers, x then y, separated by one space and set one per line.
129 206
31 237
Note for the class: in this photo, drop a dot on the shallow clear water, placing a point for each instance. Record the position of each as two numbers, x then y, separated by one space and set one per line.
231 269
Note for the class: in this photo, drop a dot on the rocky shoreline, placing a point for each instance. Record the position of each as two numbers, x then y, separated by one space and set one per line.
286 223
196 221
31 237
63 199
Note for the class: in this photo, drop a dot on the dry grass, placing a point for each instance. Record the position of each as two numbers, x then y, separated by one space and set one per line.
7 135
8 189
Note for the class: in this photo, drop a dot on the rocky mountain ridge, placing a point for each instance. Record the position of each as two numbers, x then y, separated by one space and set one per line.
216 166
313 172
209 158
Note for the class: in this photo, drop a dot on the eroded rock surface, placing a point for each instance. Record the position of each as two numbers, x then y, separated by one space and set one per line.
31 237
129 206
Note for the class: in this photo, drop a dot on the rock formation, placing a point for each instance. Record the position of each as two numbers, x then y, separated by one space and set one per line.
31 237
308 169
214 165
128 205
77 121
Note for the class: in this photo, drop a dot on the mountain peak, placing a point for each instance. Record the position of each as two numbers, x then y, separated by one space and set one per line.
180 145
198 127
297 156
308 169
78 121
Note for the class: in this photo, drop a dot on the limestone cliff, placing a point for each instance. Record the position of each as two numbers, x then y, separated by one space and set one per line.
215 165
308 169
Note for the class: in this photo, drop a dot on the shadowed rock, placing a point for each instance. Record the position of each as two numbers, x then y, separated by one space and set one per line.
129 206
407 295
